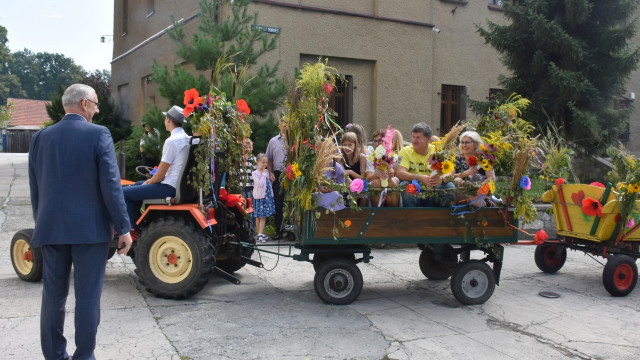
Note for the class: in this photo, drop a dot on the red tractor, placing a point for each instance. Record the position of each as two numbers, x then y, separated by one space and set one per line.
178 247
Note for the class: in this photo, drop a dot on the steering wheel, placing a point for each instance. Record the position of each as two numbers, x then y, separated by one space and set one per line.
144 171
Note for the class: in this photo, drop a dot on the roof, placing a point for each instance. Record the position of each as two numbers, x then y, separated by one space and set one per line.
28 112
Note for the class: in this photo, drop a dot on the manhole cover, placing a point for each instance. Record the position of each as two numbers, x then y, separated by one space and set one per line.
549 294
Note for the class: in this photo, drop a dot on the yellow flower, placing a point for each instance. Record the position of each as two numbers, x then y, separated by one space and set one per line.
485 165
492 186
296 170
483 148
633 188
447 167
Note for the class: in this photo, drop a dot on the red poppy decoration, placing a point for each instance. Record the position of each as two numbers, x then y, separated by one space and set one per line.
598 184
412 189
436 166
540 237
591 207
289 174
472 161
559 181
243 107
191 100
328 88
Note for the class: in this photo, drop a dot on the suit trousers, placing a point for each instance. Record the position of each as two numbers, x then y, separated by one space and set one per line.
89 263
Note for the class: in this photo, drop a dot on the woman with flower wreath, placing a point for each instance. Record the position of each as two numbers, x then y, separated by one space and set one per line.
468 168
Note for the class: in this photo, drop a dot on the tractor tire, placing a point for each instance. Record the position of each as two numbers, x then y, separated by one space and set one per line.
550 257
473 282
26 260
620 275
438 269
229 261
338 281
174 258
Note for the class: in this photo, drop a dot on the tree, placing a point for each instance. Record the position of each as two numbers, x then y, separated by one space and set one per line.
235 41
109 116
571 58
9 83
41 73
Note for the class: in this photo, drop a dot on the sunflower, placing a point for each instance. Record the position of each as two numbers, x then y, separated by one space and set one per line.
296 171
447 167
633 188
486 165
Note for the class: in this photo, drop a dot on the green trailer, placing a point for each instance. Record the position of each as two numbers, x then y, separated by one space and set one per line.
336 242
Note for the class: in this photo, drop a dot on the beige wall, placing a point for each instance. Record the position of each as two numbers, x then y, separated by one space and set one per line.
397 67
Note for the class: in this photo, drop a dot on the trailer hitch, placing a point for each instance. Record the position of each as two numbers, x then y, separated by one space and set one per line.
225 275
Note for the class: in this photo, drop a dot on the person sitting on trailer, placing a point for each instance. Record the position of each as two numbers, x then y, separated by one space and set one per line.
470 142
415 166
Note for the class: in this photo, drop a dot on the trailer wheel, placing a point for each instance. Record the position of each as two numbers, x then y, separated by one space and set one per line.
438 269
550 257
620 275
472 282
174 260
338 281
26 260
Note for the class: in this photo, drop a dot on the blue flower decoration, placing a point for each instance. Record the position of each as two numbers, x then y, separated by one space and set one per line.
365 184
525 183
417 185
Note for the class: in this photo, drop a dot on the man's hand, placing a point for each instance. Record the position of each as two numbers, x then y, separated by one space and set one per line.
124 244
433 181
272 177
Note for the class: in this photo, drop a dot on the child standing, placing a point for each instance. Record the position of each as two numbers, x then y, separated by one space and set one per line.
263 204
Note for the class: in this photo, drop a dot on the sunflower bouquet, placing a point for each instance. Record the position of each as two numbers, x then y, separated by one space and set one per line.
486 158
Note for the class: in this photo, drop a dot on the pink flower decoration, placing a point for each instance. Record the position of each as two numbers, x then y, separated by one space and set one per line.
630 223
356 186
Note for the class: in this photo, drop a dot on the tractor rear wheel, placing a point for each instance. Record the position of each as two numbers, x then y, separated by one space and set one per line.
620 275
174 258
26 260
233 259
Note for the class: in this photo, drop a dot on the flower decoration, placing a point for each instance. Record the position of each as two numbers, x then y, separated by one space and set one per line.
289 173
447 167
540 237
296 170
383 156
487 156
411 189
631 222
472 161
598 184
327 87
525 183
191 100
633 188
356 186
484 189
416 183
243 107
347 223
559 181
591 206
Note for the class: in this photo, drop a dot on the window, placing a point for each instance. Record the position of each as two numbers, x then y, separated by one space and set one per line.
151 8
451 106
341 100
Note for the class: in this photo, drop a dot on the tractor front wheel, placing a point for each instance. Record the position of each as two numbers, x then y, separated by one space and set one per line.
174 258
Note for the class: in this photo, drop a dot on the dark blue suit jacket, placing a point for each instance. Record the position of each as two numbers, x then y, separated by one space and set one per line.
75 184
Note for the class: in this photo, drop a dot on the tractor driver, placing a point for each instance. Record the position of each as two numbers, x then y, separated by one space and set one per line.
163 183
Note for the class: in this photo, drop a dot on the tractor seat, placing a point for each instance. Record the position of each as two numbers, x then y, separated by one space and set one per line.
185 192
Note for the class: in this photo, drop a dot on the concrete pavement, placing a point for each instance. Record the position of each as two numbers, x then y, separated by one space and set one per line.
276 315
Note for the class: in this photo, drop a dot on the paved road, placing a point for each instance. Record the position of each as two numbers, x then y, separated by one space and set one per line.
276 314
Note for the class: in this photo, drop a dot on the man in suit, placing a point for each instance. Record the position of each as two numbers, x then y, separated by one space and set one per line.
77 201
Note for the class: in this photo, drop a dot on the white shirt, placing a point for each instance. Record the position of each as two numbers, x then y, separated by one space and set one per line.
174 153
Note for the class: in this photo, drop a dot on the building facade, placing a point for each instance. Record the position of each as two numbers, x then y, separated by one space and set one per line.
405 61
